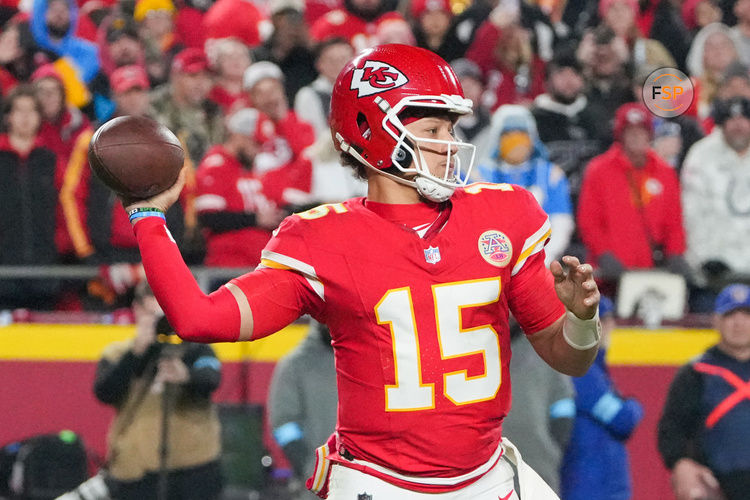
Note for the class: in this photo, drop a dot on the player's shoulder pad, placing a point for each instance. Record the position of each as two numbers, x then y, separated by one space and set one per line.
493 192
314 219
510 202
325 213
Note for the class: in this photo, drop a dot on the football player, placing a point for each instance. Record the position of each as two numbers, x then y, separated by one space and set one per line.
415 282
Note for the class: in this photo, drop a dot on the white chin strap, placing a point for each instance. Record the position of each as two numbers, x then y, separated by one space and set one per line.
432 190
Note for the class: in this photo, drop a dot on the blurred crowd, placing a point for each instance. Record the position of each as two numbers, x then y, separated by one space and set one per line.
245 86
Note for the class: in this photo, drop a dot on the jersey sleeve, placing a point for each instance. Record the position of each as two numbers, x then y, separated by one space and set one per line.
271 299
288 250
532 230
531 293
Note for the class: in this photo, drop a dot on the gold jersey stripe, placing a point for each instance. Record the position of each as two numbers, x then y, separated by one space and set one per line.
525 254
274 265
246 314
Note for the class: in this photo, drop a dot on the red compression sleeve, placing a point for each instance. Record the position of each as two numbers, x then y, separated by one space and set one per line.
194 315
276 298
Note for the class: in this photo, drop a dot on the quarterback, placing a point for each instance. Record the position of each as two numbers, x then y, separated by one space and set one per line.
415 281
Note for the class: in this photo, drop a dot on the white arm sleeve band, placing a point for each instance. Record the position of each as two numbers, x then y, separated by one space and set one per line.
582 334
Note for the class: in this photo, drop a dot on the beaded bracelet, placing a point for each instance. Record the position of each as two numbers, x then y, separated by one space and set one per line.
139 213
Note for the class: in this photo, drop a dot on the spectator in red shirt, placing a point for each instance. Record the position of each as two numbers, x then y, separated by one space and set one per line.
67 132
229 58
503 49
232 208
239 19
629 210
285 136
357 21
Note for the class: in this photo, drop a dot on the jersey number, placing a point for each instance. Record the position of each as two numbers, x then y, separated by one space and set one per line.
396 309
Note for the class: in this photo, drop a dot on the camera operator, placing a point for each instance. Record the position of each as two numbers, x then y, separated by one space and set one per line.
164 442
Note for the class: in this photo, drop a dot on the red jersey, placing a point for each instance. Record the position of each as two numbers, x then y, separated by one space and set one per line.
282 142
223 184
420 325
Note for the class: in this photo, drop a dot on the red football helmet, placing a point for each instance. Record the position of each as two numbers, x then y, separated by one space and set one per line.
368 96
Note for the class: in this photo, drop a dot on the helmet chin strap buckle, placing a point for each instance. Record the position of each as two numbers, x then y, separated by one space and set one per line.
432 190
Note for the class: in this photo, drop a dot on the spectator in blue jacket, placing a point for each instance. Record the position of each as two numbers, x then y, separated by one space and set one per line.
516 155
596 462
53 25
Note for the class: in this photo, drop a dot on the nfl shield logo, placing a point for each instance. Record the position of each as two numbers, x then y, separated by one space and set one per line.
432 255
364 496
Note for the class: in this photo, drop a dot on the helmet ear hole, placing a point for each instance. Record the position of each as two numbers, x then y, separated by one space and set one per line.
402 155
364 126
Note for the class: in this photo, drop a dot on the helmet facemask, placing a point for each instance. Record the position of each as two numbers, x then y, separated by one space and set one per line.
408 156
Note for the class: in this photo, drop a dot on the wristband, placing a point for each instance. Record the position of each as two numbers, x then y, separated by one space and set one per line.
139 213
582 334
144 209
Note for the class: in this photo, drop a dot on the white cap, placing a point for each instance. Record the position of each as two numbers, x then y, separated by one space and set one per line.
243 121
260 71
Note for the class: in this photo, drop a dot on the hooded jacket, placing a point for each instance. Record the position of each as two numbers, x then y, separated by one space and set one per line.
83 54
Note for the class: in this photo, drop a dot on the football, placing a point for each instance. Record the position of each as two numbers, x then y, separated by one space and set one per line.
135 156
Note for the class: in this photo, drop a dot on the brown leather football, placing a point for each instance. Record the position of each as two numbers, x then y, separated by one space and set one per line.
136 156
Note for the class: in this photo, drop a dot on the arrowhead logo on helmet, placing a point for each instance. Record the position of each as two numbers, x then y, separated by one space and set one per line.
375 77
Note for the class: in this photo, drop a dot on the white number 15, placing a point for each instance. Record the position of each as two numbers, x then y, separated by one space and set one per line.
409 392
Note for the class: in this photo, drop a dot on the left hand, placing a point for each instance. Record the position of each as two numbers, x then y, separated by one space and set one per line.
163 200
575 286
